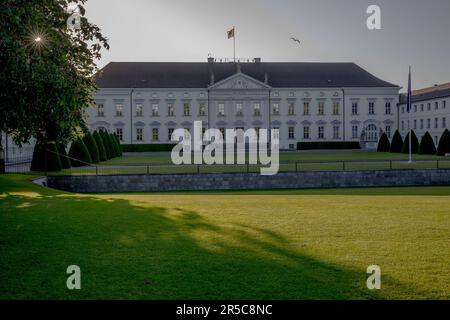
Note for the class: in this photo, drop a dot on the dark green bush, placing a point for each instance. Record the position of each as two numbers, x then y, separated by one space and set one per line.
427 145
397 142
107 144
100 145
45 158
384 145
118 144
328 145
79 154
444 144
92 147
414 143
147 147
65 161
114 145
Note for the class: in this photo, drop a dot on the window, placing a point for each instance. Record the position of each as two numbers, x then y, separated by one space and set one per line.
239 111
321 132
415 108
336 132
155 134
354 132
119 110
306 108
428 106
170 132
421 107
291 110
139 110
119 133
443 123
371 108
139 134
444 104
100 110
276 109
372 133
291 133
335 108
305 132
354 108
221 109
428 123
202 109
321 109
388 131
276 133
257 109
436 105
436 123
170 110
388 108
421 123
186 109
403 125
155 110
415 124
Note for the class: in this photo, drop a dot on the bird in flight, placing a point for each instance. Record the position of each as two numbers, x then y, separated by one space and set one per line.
295 40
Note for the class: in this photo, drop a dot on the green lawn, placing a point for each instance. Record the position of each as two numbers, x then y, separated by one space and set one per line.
296 244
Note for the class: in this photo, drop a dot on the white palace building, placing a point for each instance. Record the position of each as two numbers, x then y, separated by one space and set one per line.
143 102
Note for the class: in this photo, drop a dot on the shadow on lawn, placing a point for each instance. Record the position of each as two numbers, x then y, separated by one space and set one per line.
129 251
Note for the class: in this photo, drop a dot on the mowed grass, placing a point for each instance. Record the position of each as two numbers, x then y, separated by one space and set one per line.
297 244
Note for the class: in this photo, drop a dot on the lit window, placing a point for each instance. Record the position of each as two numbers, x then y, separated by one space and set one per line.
100 110
119 110
306 108
155 110
139 110
291 109
321 109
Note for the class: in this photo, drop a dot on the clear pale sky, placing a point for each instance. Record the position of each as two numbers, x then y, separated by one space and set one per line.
414 32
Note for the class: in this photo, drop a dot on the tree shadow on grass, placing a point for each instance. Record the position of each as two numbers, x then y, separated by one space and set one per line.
129 251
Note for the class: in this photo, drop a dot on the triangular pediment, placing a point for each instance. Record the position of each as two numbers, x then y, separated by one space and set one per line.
239 81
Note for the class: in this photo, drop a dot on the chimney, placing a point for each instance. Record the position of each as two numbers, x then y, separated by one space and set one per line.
210 60
257 60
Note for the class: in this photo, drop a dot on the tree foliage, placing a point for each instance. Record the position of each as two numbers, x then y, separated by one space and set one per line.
397 142
45 158
444 143
383 144
427 144
79 154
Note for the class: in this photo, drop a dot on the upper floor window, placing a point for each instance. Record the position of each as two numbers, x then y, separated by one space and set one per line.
139 110
239 110
321 109
202 109
444 104
335 108
428 106
415 108
388 108
428 123
306 108
371 108
155 110
100 110
257 109
444 124
436 105
291 109
276 109
421 123
119 110
421 107
355 108
170 110
436 123
221 110
186 109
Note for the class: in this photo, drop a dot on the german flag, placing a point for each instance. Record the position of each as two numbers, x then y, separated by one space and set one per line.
230 34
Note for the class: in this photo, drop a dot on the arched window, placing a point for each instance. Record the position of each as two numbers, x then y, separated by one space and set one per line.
372 133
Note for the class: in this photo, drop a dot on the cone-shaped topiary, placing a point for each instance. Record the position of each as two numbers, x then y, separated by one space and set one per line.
115 145
65 161
106 143
78 151
92 147
414 143
118 144
427 145
45 158
100 145
397 142
384 145
444 144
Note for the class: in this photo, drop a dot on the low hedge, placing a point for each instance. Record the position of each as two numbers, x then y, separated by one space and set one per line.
147 147
316 145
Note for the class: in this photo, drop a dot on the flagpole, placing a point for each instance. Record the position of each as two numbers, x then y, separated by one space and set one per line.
409 115
234 44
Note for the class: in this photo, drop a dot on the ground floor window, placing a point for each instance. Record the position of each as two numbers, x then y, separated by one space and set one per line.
372 133
291 133
170 132
119 133
305 132
388 131
139 134
155 134
321 133
354 132
336 132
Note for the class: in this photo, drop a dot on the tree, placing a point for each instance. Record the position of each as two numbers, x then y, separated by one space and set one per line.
65 161
79 152
46 70
115 145
101 147
397 142
92 147
444 144
427 144
414 143
45 158
118 144
384 145
107 144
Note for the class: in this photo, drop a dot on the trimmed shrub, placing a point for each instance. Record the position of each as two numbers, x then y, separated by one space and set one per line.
100 146
79 151
118 144
444 144
384 145
114 145
427 144
45 158
92 147
414 143
65 161
162 147
106 143
328 145
396 143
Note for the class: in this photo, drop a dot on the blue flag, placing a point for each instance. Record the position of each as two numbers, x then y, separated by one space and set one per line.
409 99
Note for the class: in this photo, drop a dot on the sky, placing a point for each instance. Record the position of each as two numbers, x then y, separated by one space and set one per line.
414 32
